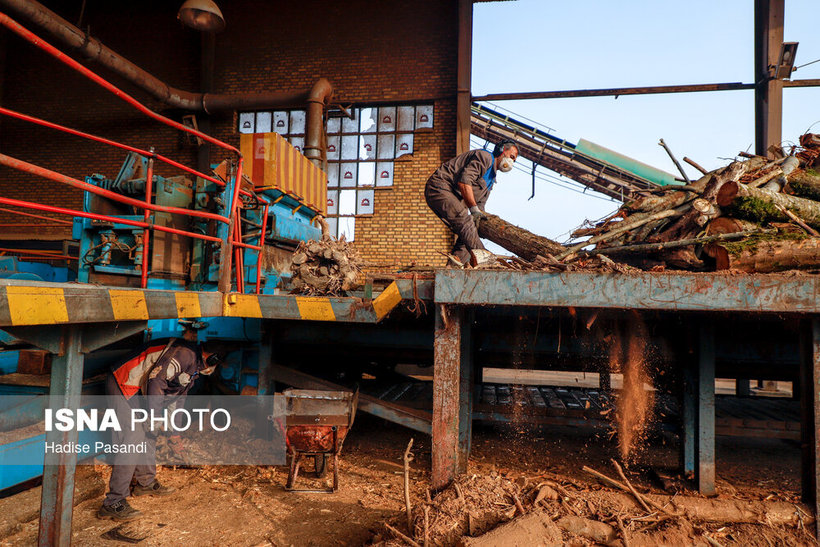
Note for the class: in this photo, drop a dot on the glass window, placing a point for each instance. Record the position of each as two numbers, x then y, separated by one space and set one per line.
406 117
404 144
333 145
367 147
263 122
333 202
384 172
348 175
424 117
334 125
347 202
351 125
350 147
367 174
333 225
246 122
298 143
347 228
297 122
332 175
387 119
386 144
370 118
365 204
280 122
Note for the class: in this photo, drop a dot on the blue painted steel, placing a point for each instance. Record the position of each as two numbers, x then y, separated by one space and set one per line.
466 392
8 361
15 268
650 291
689 418
705 470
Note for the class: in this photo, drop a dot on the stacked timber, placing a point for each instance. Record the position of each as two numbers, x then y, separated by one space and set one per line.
754 215
328 267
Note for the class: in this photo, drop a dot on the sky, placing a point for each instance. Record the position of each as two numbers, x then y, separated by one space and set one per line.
541 45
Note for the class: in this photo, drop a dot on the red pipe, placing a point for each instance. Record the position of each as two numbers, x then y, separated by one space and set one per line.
21 165
146 234
41 217
30 225
34 252
52 125
261 246
41 257
29 36
94 216
238 266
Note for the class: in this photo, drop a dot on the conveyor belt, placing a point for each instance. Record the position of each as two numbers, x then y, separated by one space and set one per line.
557 154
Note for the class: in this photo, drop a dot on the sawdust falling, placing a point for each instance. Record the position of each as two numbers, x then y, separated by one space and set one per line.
634 413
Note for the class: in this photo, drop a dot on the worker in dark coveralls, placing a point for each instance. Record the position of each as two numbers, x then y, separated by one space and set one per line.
162 368
458 190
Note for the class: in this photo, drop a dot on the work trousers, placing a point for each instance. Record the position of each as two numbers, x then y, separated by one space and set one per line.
456 216
125 466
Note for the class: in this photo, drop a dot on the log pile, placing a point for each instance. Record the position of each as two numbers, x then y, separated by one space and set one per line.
328 267
754 215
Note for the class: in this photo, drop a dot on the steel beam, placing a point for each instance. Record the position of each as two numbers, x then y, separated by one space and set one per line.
646 291
689 407
705 471
466 392
769 15
447 348
57 506
810 411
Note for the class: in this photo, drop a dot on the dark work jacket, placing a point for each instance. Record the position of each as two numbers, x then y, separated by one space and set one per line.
474 168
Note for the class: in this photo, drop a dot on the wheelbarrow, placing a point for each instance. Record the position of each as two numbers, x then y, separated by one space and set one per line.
316 424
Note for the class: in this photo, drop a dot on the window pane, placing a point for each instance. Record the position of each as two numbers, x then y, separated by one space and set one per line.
387 118
384 169
347 175
386 143
365 203
424 117
404 144
332 175
369 118
298 143
367 174
297 122
333 144
263 122
280 122
246 122
333 202
351 126
347 228
333 125
350 147
406 114
347 202
367 147
333 224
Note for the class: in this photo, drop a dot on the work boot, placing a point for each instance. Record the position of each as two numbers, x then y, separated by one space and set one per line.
153 489
119 510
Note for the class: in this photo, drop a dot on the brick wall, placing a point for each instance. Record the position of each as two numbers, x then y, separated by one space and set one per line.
370 51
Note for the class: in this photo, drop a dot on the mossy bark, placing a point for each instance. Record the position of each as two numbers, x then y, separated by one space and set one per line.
760 205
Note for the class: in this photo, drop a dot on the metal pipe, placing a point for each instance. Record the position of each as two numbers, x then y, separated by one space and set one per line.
26 167
106 218
261 247
318 96
146 234
41 217
103 140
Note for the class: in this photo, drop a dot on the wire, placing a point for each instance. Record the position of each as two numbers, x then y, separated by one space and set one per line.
807 64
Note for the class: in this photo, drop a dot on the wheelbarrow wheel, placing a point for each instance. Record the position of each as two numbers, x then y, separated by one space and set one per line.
320 465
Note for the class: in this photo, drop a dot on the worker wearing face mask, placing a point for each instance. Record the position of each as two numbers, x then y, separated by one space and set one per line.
458 190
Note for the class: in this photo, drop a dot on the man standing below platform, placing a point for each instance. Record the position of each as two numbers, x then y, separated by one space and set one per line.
458 191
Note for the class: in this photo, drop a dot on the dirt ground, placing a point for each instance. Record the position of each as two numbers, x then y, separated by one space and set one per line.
249 505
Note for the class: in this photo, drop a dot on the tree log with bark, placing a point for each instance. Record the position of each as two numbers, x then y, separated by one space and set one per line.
761 205
517 240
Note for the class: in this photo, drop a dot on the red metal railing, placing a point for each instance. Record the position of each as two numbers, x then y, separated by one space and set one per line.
232 218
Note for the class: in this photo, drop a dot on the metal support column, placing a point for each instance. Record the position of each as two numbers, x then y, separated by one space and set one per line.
466 390
57 506
464 72
705 472
689 405
447 348
769 15
810 410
